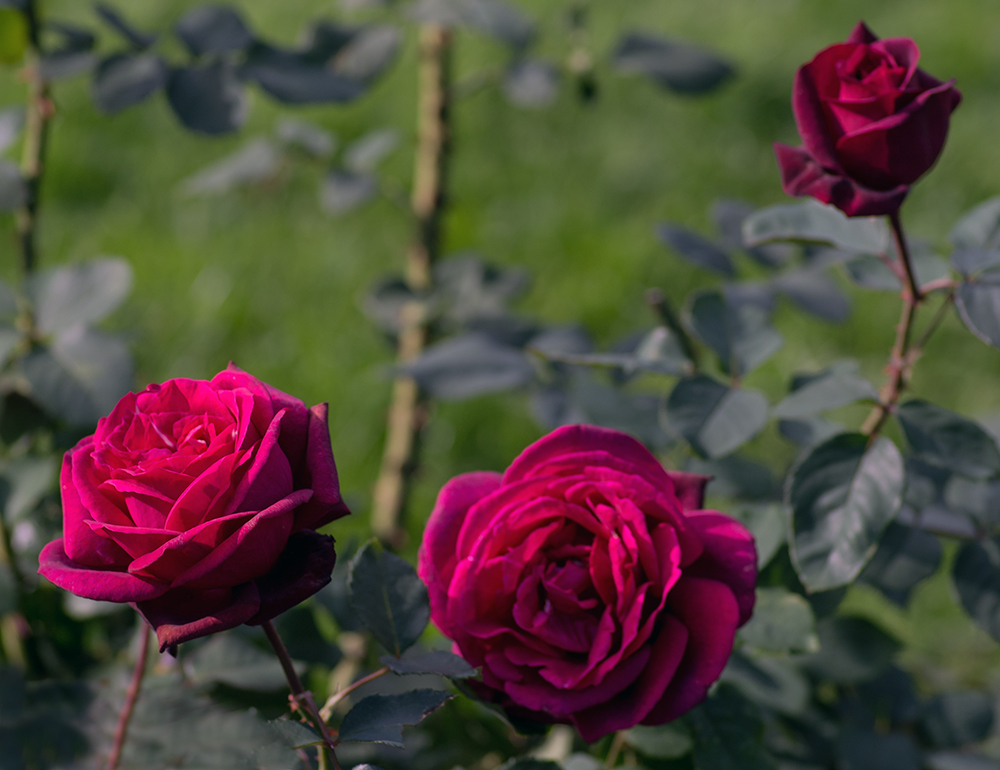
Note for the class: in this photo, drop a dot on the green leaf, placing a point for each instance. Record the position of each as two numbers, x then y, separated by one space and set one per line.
813 222
79 294
228 659
30 479
955 760
835 386
737 330
696 249
13 35
297 627
363 155
970 262
294 734
941 437
714 419
872 273
254 163
774 683
672 64
905 556
380 718
862 750
978 305
728 733
388 596
782 622
439 662
768 524
976 575
815 293
670 741
979 228
954 719
851 650
843 495
978 498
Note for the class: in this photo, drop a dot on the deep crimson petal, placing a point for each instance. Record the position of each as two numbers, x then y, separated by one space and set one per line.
730 557
318 472
689 488
802 175
811 118
183 614
302 569
268 479
90 583
861 34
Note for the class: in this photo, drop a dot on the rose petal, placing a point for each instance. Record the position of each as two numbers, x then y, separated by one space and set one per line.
81 544
90 583
689 488
183 614
861 34
302 569
317 471
269 478
206 497
730 557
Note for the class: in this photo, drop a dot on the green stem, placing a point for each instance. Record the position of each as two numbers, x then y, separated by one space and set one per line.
131 696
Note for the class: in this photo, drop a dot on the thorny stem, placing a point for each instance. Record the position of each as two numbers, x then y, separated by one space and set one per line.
408 409
331 703
131 696
39 114
302 698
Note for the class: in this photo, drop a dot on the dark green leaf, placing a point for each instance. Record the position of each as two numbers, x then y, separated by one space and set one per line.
388 596
851 650
954 760
954 719
976 574
291 79
768 525
380 718
737 477
213 29
230 660
470 365
979 228
363 155
782 622
71 56
862 750
79 294
905 556
774 683
978 305
727 733
835 386
528 763
979 499
531 83
368 53
669 741
968 262
498 19
809 431
306 137
256 161
843 495
336 597
297 627
941 437
739 332
813 292
208 99
123 80
729 216
696 249
136 38
714 419
294 734
13 189
680 66
8 590
813 222
439 662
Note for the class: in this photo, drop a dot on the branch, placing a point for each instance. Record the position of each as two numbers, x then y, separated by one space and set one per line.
408 410
131 696
331 703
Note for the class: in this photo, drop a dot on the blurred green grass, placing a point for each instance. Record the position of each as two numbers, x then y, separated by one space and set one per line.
264 279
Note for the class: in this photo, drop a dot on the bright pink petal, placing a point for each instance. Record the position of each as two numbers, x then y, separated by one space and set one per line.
98 584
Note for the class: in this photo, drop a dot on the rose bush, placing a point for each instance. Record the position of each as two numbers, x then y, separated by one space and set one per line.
872 124
587 583
197 502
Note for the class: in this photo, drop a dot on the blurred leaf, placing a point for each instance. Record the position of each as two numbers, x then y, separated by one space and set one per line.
773 683
851 650
737 477
977 498
296 735
968 262
208 99
905 556
727 732
13 190
729 215
322 39
123 80
470 288
680 66
809 431
336 596
739 332
837 385
213 29
83 293
342 191
291 78
979 228
696 249
29 480
863 750
978 305
657 351
385 302
976 575
256 161
670 741
531 83
8 589
528 763
228 659
954 760
954 719
363 155
11 123
380 718
368 53
439 662
308 137
941 437
814 293
71 56
297 627
388 596
781 622
813 222
714 419
843 495
136 38
40 723
469 365
767 524
13 35
499 19
872 272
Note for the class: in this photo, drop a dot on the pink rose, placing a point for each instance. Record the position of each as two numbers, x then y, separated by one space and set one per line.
586 582
872 124
196 502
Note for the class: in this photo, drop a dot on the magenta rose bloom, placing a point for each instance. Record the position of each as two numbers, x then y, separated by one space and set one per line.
196 502
586 582
872 124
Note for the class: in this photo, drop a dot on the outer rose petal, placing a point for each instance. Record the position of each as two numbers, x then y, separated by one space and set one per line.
802 175
303 568
730 557
184 614
318 472
81 543
811 119
689 488
861 34
90 583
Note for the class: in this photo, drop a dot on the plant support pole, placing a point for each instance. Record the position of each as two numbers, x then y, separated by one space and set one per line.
408 409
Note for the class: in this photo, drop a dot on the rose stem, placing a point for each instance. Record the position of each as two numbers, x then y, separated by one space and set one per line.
300 696
327 711
131 696
408 410
901 357
39 114
616 748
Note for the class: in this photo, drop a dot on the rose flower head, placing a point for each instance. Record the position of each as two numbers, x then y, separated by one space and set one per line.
871 122
197 503
587 583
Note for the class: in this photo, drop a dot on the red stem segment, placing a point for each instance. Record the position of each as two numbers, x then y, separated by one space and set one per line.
131 696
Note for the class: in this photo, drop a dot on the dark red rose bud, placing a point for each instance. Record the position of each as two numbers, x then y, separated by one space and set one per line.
196 502
871 122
